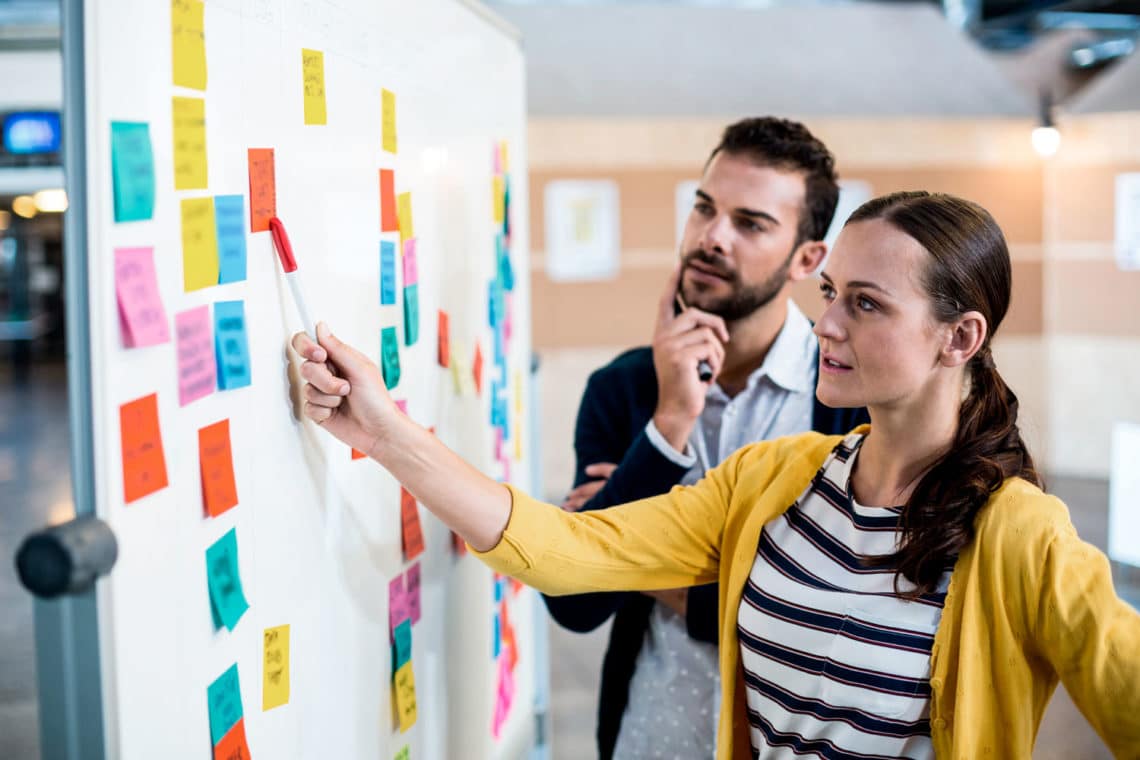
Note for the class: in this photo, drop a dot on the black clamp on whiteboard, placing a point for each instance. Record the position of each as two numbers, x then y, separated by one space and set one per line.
67 558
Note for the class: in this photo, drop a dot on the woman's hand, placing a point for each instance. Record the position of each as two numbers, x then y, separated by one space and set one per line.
344 392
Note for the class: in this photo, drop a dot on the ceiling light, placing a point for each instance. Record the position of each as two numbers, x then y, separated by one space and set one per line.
5 220
24 205
51 201
1046 138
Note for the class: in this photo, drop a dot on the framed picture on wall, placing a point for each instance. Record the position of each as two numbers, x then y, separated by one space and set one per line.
1128 221
583 230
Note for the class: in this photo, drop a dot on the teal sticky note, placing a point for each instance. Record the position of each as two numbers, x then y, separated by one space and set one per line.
390 357
224 580
402 647
224 696
132 171
411 314
506 271
229 217
387 273
231 345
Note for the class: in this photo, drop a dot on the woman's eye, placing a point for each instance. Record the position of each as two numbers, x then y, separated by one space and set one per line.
865 304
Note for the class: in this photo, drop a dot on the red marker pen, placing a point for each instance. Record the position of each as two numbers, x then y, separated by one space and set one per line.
289 264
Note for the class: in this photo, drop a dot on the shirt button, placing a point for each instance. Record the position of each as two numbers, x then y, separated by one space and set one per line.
936 684
939 723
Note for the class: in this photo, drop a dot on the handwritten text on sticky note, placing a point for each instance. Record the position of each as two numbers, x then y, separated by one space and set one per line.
411 315
389 218
313 74
188 38
405 685
388 117
196 368
190 172
412 589
224 580
387 273
233 745
262 189
144 464
142 316
404 214
216 462
132 171
397 602
413 536
232 345
224 699
390 357
199 244
229 214
275 689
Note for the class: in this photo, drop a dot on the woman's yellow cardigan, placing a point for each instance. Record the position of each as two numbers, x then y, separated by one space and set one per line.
1028 600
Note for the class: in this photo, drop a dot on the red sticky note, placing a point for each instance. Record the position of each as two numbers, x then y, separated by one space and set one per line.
358 454
215 457
144 464
233 745
458 545
389 220
412 591
262 189
477 369
444 340
397 603
410 526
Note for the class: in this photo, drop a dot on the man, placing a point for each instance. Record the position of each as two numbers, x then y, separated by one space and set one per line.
648 422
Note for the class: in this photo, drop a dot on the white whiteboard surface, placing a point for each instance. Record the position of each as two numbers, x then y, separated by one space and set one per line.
319 534
1124 494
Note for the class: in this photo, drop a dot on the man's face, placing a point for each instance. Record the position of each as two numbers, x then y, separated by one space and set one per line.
740 236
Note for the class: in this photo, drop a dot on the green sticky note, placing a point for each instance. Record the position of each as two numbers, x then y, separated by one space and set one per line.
403 753
411 314
132 171
402 647
224 696
224 580
390 357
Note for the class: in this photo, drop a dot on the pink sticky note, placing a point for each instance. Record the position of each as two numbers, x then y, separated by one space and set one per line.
505 697
411 271
142 317
498 443
412 591
497 160
506 469
402 405
397 603
197 368
508 322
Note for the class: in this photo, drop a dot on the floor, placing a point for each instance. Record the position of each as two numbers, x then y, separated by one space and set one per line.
34 490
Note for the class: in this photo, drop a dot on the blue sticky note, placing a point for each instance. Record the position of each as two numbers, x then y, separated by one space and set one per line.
500 356
506 271
229 217
231 345
403 643
387 273
132 171
390 357
224 580
411 314
496 639
224 696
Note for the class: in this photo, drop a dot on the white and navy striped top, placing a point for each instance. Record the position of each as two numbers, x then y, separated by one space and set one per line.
836 664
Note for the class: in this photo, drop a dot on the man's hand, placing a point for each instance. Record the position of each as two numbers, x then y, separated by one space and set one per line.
676 599
680 341
577 498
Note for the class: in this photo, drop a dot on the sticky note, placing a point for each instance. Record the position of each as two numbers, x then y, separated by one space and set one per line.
458 545
196 368
397 603
199 244
275 686
506 159
410 526
313 73
231 345
411 315
404 215
389 218
262 189
142 317
358 454
216 462
496 637
233 745
412 591
189 116
402 754
390 357
402 643
506 273
497 159
444 353
387 273
224 699
132 171
229 218
224 580
144 463
518 440
405 685
188 35
411 270
388 119
497 207
477 368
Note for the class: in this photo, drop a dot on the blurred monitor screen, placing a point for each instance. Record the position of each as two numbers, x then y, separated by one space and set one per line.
29 132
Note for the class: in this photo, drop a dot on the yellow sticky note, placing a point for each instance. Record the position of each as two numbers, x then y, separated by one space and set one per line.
199 244
518 441
188 38
518 392
275 690
190 171
506 165
460 369
313 71
498 199
404 214
388 117
404 683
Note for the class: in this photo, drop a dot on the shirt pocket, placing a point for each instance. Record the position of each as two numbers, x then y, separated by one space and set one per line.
880 665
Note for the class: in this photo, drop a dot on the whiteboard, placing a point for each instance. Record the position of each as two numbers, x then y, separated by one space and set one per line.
318 533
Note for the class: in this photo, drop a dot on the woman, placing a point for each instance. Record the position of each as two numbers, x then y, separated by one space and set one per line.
904 591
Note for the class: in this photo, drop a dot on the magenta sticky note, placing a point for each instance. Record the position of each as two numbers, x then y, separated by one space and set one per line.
498 443
142 317
412 591
197 366
411 271
397 603
508 319
402 405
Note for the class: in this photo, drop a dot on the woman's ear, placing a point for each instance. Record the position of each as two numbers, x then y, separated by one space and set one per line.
966 338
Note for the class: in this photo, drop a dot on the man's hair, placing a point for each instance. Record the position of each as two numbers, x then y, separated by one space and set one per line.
788 145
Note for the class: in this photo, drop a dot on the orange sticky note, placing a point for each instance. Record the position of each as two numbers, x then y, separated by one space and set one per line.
389 219
358 454
410 526
262 189
444 340
458 545
233 745
215 458
144 464
477 369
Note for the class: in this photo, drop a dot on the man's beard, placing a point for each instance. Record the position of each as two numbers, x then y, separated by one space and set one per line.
744 300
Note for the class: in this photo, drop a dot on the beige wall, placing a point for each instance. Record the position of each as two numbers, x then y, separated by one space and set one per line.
1071 307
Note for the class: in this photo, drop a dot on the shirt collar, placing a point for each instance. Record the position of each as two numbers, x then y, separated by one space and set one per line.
790 362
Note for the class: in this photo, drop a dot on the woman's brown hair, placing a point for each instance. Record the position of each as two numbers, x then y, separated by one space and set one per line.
968 270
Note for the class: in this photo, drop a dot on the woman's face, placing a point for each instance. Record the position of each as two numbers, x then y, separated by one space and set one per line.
880 345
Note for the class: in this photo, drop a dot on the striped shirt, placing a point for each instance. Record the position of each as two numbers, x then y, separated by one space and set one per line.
836 664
